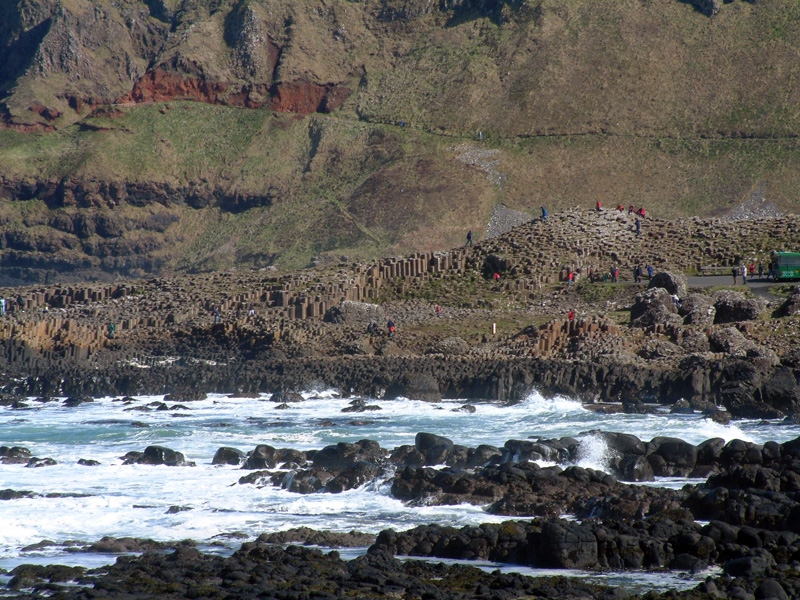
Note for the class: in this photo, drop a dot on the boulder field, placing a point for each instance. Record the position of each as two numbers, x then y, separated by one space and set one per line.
743 520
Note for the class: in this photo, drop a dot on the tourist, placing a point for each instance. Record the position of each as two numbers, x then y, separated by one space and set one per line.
591 274
631 209
2 307
544 214
21 302
469 239
743 271
438 311
638 226
390 327
637 274
735 273
599 206
217 315
620 208
650 271
496 276
570 277
571 315
752 269
614 274
760 270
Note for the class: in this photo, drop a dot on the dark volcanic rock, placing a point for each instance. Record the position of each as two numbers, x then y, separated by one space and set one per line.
342 455
263 457
312 537
228 456
159 455
415 387
186 396
14 455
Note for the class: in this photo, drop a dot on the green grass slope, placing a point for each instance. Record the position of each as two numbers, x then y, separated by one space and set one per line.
645 103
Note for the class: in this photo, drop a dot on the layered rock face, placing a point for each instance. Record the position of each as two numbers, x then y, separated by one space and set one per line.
96 54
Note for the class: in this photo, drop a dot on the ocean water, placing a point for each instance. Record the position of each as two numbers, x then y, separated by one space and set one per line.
119 500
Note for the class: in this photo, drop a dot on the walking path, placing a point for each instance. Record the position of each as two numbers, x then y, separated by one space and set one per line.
759 287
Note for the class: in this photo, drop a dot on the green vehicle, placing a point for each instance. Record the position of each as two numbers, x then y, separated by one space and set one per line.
785 265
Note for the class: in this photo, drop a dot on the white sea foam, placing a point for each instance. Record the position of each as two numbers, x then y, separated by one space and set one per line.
135 500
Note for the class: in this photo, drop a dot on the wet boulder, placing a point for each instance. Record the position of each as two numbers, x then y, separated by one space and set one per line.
781 391
284 397
14 455
620 444
73 401
228 456
434 448
740 452
263 457
635 468
159 455
524 450
407 455
352 477
679 456
186 396
338 457
36 462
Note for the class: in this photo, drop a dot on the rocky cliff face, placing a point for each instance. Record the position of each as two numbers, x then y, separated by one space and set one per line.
66 57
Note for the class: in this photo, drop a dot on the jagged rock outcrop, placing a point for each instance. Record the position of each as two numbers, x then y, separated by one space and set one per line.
731 307
673 283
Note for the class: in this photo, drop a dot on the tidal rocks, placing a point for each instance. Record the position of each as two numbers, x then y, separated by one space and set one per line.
14 455
73 401
191 395
158 455
262 457
35 462
558 543
228 456
342 455
286 397
263 570
312 537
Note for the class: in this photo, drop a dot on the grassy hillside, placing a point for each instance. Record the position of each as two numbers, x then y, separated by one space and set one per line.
652 104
